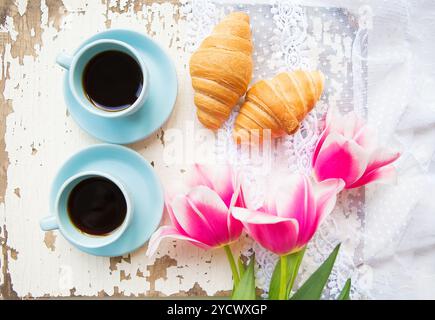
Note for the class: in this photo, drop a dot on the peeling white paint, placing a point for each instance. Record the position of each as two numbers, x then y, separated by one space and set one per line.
21 4
39 120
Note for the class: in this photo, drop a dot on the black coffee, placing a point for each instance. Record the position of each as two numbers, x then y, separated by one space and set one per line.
112 80
97 206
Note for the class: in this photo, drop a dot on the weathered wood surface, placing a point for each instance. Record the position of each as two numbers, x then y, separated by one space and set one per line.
37 135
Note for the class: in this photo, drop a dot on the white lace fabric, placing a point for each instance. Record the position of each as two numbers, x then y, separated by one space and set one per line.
348 44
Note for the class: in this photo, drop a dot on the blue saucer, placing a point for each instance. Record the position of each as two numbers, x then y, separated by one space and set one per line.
137 174
157 108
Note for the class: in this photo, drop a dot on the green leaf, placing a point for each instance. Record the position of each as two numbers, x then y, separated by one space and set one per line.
245 290
241 266
293 262
313 287
345 292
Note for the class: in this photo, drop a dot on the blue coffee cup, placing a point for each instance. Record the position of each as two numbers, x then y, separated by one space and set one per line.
61 220
76 65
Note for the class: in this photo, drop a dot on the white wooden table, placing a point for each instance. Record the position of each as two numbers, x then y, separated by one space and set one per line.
37 135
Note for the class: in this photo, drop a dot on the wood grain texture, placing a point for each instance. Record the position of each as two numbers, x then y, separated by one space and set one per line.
37 135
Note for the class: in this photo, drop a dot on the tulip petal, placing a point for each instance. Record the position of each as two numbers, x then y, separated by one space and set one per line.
334 120
292 197
366 137
274 233
256 217
200 176
319 145
386 175
240 200
269 205
172 216
192 221
340 158
235 227
333 123
209 206
169 232
218 178
326 197
295 199
381 157
352 125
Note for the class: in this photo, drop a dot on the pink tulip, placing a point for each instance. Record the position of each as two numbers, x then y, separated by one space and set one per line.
347 149
292 213
202 215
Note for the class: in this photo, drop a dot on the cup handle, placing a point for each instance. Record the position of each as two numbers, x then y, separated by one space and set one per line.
64 60
49 223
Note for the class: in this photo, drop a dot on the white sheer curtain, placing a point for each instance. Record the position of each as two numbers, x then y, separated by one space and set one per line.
404 264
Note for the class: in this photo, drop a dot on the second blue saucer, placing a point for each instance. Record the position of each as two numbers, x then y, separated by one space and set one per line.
162 94
137 174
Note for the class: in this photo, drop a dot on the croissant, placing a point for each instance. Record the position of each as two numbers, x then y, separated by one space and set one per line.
279 104
221 69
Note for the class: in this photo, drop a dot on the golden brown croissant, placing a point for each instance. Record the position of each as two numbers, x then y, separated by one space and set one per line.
221 69
279 104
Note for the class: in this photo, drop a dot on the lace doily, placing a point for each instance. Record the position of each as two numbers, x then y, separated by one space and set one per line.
287 36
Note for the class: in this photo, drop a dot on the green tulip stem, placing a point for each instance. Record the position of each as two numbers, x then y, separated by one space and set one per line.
233 266
283 279
298 256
